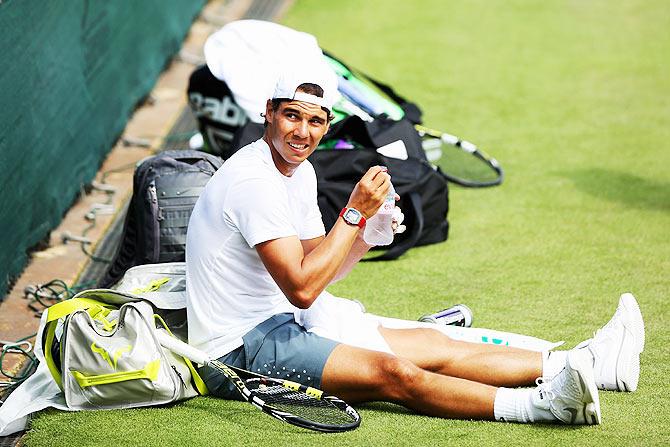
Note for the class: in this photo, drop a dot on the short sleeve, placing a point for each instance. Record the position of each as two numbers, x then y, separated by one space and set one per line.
258 208
313 221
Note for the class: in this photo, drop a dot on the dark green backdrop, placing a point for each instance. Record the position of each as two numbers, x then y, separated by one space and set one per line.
71 72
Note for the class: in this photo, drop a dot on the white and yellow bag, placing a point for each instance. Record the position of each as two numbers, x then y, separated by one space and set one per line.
101 348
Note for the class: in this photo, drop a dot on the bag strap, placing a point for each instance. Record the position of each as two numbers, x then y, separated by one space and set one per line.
197 380
61 310
49 335
65 308
399 249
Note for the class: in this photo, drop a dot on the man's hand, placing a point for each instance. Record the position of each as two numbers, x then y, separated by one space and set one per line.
369 193
397 220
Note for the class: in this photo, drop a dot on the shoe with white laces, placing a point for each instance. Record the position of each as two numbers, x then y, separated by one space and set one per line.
615 348
572 395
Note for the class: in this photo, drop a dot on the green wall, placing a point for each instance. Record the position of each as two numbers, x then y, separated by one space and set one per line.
71 72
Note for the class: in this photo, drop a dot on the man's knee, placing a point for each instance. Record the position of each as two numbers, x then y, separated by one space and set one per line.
398 378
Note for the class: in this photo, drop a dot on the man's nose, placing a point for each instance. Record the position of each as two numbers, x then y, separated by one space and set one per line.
301 129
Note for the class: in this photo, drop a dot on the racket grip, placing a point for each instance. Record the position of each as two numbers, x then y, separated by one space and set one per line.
179 347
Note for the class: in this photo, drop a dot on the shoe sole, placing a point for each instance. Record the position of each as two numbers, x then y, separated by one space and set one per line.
587 382
628 361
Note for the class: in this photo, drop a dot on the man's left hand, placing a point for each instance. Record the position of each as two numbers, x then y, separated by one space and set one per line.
397 219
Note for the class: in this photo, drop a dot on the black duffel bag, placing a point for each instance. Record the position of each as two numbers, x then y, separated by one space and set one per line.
423 190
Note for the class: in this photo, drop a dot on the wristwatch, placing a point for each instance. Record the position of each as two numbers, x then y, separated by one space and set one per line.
353 217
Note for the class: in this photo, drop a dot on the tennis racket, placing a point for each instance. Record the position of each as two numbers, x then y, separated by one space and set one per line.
460 161
287 401
455 158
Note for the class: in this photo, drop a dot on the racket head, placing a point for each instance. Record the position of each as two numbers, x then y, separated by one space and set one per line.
461 162
292 402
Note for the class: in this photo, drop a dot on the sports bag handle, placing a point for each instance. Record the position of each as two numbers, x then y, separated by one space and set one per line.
61 310
64 308
399 249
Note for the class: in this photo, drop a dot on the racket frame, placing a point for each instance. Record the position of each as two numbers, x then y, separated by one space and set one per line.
469 148
239 376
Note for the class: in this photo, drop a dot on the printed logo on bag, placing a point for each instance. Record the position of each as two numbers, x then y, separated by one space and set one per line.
116 354
223 110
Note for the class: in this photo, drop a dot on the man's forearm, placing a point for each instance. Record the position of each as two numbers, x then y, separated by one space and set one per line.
320 266
358 250
302 277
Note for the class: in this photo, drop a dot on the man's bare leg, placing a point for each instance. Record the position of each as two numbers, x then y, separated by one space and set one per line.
360 375
431 350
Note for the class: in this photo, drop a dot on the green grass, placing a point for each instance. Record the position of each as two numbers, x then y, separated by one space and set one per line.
573 98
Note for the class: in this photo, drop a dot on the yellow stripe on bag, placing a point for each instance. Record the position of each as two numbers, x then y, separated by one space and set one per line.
149 372
67 307
197 380
153 286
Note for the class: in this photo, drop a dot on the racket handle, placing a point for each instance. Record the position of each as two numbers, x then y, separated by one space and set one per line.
179 347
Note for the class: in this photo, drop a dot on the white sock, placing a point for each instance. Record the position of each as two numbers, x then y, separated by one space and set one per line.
509 405
522 405
553 362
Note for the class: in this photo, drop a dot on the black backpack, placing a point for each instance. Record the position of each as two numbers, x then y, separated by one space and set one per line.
165 189
423 189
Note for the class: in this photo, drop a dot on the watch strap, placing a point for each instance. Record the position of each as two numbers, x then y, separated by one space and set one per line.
359 224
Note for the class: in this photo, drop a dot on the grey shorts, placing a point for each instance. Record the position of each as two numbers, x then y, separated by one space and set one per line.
278 347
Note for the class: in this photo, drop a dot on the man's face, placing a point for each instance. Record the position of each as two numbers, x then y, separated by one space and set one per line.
294 131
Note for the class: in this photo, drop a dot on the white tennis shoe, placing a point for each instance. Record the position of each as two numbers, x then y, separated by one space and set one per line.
616 347
572 395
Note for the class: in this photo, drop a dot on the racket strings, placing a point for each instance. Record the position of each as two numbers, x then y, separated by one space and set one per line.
322 411
458 163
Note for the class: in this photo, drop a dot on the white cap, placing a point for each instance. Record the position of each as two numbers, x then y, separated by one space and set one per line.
316 72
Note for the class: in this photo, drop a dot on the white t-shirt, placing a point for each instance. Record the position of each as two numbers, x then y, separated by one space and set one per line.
247 201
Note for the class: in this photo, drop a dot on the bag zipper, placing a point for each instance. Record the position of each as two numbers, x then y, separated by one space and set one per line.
181 379
153 201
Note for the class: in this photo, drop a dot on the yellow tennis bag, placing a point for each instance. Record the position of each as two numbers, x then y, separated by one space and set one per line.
100 346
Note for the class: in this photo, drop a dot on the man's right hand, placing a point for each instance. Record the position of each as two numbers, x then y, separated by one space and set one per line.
369 193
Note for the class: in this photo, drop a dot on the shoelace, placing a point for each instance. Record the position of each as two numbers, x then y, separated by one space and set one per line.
609 326
545 384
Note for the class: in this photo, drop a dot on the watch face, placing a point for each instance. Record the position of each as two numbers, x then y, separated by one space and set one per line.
352 216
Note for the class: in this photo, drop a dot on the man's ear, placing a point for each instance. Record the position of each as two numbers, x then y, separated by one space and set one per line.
268 110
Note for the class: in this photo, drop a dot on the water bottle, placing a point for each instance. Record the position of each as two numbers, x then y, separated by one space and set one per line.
378 230
458 315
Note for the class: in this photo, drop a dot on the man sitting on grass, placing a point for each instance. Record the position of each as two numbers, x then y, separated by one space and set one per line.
259 260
